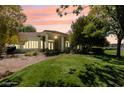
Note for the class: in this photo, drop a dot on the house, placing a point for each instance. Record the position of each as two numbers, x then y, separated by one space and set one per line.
48 39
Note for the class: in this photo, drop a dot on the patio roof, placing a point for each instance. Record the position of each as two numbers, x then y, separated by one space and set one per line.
53 31
35 35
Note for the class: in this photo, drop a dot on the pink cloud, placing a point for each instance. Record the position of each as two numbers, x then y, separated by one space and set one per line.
46 15
52 22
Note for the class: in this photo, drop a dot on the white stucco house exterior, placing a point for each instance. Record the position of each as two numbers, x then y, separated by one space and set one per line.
43 40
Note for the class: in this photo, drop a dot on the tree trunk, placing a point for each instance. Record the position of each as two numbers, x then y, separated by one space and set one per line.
119 48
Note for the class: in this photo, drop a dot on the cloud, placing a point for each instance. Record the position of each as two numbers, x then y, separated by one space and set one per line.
51 22
46 16
59 27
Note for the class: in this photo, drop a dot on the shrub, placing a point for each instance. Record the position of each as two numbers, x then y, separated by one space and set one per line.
31 53
67 50
58 83
97 51
35 53
76 51
83 50
11 83
51 52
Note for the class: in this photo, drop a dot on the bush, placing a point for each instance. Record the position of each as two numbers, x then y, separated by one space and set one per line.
51 52
11 83
67 50
31 53
79 51
82 50
97 51
58 83
76 51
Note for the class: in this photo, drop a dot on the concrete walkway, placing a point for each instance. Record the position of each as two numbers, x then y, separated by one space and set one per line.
20 62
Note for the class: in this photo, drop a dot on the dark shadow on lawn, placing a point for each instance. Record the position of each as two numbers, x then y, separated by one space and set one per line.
108 58
106 76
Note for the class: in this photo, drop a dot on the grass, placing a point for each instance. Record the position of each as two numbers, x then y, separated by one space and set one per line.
70 70
113 52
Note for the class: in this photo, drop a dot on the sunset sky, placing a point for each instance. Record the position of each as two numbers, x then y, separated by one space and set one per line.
46 18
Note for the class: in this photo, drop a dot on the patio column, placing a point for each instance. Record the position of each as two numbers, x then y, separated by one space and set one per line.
62 44
46 41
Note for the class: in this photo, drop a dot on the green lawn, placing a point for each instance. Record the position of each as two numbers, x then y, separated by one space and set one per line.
70 70
113 52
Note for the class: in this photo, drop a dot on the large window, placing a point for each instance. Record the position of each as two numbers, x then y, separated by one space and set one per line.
67 44
50 45
30 45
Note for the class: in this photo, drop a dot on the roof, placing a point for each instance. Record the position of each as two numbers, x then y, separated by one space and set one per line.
53 31
29 35
35 35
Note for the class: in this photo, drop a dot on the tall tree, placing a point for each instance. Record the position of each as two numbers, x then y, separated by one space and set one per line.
112 14
114 17
28 28
11 19
88 31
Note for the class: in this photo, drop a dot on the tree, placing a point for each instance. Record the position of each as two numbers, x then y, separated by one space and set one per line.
76 31
88 31
77 9
113 15
11 19
120 35
28 28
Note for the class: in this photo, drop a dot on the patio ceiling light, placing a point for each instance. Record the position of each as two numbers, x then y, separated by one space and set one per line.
55 37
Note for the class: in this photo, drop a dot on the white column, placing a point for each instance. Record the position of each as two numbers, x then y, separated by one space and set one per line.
62 44
46 41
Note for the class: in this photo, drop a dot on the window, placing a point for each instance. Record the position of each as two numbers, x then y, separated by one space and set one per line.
50 45
67 44
31 45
